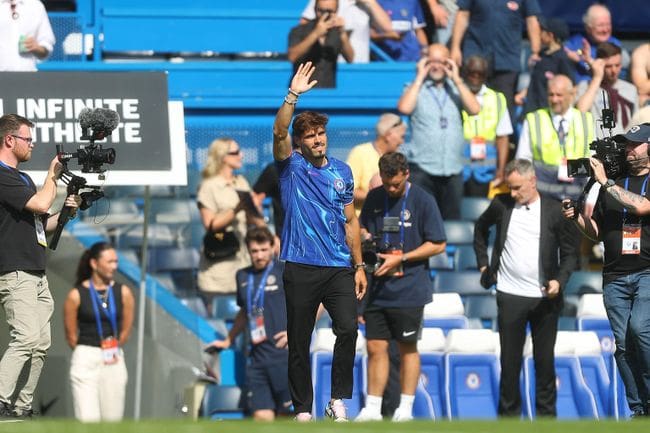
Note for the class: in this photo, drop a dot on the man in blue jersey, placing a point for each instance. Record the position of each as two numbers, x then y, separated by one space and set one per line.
407 227
321 247
260 296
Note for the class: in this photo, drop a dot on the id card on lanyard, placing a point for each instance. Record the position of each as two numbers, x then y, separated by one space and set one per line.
631 233
477 145
399 271
109 345
38 221
255 305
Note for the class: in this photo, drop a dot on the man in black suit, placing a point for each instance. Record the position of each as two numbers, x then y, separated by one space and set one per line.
530 230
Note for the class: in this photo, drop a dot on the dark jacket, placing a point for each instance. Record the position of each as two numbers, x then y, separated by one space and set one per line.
557 233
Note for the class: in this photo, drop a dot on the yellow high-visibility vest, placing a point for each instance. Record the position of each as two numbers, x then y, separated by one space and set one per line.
544 140
484 124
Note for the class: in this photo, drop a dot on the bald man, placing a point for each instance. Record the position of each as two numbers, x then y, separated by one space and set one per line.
434 101
553 134
581 48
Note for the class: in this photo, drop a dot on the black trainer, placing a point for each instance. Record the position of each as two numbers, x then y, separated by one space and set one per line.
6 411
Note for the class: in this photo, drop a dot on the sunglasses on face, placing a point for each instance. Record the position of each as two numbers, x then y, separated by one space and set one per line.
234 152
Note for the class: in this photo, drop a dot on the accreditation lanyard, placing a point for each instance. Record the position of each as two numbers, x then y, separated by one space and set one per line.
401 217
441 104
110 310
255 301
22 175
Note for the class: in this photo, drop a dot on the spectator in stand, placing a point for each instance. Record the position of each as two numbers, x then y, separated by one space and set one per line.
407 42
364 158
320 41
223 213
434 101
486 133
551 135
553 61
439 16
621 95
26 36
581 49
492 29
640 72
360 16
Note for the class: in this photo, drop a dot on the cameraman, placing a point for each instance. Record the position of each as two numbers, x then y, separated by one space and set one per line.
24 291
619 221
408 225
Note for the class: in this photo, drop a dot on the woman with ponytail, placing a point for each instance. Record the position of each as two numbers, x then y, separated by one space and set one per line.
98 317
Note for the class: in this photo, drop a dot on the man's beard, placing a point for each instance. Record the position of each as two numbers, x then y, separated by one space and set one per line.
637 165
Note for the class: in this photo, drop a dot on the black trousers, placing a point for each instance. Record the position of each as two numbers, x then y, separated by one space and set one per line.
514 312
306 287
447 190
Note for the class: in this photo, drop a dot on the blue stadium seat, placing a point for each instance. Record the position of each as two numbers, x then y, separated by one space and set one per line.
222 402
581 282
225 307
461 282
432 368
459 232
472 207
471 374
482 307
446 312
423 405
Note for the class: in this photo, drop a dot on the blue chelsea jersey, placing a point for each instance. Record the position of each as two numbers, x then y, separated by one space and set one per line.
313 199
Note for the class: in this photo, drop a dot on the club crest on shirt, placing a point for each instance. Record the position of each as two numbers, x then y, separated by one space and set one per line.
270 280
339 185
513 6
406 215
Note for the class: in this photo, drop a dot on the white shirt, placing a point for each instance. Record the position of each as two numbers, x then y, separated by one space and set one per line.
519 269
356 20
524 150
32 21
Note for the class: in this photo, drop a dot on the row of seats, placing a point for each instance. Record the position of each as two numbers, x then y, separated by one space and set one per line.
460 375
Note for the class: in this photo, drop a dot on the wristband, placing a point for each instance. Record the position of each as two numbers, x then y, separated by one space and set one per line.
359 266
293 92
290 102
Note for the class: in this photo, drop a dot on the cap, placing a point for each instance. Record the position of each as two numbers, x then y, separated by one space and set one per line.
556 26
637 134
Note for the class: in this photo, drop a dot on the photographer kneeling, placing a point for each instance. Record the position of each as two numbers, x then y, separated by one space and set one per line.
407 229
619 221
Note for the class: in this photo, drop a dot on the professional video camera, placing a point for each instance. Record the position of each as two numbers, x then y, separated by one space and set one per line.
376 244
95 124
610 152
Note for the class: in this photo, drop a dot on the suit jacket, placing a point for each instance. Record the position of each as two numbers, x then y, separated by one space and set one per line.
556 234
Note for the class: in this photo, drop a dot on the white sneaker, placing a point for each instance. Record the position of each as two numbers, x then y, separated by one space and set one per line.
303 417
336 411
400 416
367 415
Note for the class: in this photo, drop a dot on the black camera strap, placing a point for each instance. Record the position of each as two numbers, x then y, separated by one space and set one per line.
401 217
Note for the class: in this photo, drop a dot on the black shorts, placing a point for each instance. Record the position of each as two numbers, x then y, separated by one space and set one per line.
268 388
401 324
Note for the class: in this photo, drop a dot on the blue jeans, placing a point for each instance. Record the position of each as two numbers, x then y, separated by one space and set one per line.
627 301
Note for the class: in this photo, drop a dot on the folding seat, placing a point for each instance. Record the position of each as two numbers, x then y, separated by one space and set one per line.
461 282
574 398
471 374
472 207
423 404
222 402
431 347
321 372
445 311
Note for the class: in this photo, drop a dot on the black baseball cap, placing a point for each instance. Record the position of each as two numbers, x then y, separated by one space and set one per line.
556 26
637 134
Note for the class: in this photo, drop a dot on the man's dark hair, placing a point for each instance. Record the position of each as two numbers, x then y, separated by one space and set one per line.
308 121
11 123
259 235
393 163
605 50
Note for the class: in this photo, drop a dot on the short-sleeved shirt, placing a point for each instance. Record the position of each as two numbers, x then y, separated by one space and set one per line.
269 184
608 214
218 194
546 68
406 16
435 150
314 199
275 311
322 56
422 223
364 162
495 29
19 250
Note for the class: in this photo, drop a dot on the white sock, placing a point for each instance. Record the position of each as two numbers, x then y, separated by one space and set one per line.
373 404
406 403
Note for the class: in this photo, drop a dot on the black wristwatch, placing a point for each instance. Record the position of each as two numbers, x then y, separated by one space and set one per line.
608 184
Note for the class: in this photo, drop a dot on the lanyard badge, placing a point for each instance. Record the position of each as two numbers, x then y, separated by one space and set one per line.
255 304
631 233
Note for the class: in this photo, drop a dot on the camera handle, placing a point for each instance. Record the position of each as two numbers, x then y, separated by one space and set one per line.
75 183
580 203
